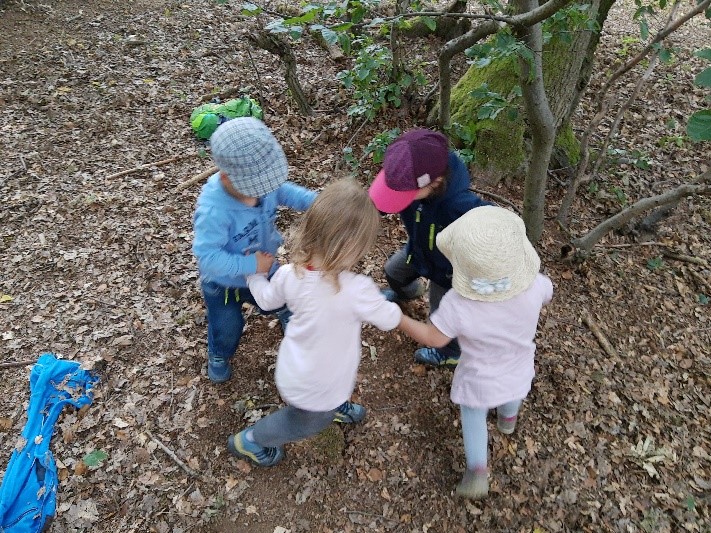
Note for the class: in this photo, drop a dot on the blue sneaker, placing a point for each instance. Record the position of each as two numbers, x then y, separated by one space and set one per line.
433 357
239 446
412 294
218 368
349 413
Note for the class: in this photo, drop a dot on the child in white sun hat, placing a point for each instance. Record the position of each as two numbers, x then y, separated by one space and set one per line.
493 308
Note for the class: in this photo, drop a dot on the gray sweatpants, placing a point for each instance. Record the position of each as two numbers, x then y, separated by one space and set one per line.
290 424
402 278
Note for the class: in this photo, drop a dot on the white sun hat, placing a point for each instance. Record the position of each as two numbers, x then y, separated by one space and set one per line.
492 258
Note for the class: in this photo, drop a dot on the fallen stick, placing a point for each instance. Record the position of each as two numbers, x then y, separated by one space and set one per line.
15 364
698 277
496 197
195 179
686 258
148 165
174 457
604 343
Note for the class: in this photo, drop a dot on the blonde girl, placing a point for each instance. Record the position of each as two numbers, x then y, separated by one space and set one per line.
319 355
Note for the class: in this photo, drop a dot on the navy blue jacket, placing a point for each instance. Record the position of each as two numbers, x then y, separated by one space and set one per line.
424 219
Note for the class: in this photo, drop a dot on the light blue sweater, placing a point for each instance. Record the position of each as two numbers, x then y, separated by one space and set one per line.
228 232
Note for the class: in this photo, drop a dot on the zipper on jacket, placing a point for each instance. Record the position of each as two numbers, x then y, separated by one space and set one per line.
417 221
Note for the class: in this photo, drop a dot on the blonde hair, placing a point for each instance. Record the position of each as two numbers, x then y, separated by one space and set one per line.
338 229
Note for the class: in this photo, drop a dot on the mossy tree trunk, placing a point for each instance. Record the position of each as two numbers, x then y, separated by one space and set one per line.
502 145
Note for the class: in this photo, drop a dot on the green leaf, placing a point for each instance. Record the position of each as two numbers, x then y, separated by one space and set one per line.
703 78
248 9
343 26
699 126
430 23
5 298
306 17
644 29
330 36
95 458
704 54
655 263
665 55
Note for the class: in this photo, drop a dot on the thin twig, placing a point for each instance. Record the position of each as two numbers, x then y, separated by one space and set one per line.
497 198
15 364
698 277
262 92
599 335
365 121
630 245
174 457
148 165
196 178
686 258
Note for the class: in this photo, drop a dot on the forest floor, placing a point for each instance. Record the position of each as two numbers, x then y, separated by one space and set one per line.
98 268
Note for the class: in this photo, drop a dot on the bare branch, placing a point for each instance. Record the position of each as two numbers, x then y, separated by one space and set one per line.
601 107
174 457
599 335
196 178
148 165
700 185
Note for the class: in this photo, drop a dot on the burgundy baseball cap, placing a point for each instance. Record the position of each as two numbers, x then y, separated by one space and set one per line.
411 162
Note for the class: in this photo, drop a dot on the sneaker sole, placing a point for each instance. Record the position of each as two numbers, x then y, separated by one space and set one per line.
448 363
219 379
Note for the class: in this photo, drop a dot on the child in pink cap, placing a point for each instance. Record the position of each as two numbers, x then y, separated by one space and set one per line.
428 185
493 309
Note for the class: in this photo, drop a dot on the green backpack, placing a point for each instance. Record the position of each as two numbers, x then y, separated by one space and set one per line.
205 118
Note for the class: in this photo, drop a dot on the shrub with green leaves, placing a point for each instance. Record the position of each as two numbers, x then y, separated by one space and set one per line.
371 80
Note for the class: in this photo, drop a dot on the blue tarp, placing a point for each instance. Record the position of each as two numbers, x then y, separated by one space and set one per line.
28 494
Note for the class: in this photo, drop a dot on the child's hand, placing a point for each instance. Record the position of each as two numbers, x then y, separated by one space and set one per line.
264 262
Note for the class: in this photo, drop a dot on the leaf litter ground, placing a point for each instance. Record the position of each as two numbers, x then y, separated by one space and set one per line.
99 269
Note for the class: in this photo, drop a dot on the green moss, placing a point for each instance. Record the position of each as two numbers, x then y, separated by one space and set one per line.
330 443
567 143
500 145
489 136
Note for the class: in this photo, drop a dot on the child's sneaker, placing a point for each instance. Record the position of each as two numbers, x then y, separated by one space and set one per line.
506 424
349 413
474 485
391 296
240 446
434 357
218 368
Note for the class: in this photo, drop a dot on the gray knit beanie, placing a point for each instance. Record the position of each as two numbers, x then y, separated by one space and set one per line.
250 155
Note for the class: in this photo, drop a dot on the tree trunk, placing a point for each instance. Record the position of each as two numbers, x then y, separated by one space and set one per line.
567 67
542 124
278 46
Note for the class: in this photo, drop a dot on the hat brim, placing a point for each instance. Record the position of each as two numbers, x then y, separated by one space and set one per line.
389 200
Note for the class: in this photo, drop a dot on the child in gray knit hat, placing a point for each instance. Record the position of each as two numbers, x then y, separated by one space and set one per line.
235 230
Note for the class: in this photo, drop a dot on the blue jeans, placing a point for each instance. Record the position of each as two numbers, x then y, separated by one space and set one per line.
290 424
225 321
